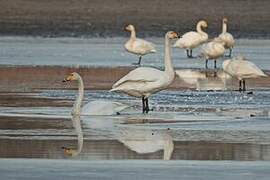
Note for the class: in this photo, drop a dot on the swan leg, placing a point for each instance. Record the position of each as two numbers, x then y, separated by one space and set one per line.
143 104
230 54
240 85
206 63
139 62
215 65
244 85
146 106
187 53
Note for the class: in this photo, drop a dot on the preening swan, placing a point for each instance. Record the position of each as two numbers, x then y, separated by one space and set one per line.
212 50
242 69
226 37
77 125
138 46
147 141
100 107
193 39
144 81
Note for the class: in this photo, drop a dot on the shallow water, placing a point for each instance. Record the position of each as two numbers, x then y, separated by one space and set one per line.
203 126
109 52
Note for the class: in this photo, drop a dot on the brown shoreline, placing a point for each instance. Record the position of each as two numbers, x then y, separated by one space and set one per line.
35 78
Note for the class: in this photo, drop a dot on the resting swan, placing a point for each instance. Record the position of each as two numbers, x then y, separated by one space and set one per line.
192 39
144 81
93 108
138 46
212 50
226 37
242 69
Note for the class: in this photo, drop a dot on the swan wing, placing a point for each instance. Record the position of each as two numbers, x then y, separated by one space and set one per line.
143 46
103 108
244 68
141 74
188 40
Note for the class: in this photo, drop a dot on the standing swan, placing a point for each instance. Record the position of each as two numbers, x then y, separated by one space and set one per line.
212 50
138 46
144 81
226 37
192 39
242 69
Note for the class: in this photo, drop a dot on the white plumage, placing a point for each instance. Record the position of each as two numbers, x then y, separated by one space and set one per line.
144 81
191 40
242 69
138 46
226 37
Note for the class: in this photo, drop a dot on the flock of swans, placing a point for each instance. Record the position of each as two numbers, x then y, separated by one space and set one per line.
142 82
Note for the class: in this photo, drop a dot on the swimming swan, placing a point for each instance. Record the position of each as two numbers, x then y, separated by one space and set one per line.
99 107
144 81
226 37
242 69
138 46
192 39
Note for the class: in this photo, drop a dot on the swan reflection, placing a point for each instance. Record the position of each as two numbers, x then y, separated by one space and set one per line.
204 80
144 141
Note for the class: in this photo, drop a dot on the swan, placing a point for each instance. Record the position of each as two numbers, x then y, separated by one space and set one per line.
138 46
77 125
212 50
242 69
100 107
192 39
226 37
144 81
147 141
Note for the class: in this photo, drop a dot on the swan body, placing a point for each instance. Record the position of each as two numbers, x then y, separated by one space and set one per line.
97 108
212 50
191 40
144 81
138 46
226 37
242 69
147 141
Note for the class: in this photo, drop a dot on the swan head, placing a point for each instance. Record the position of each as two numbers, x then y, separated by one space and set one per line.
225 20
69 151
203 24
130 28
72 77
172 35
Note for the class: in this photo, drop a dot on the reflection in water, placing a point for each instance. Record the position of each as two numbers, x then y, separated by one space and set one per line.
204 80
77 125
145 141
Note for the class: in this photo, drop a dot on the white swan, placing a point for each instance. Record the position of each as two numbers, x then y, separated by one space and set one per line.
138 46
147 141
100 107
144 81
77 125
242 69
193 39
226 37
212 50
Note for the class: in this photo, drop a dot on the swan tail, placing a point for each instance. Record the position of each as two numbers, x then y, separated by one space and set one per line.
153 51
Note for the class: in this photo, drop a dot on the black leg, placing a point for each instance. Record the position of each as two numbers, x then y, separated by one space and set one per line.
190 55
206 63
143 104
244 85
215 66
146 105
187 53
240 85
230 54
139 62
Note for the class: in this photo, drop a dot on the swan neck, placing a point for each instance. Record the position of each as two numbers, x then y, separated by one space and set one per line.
199 29
168 149
78 102
167 59
133 34
224 28
77 125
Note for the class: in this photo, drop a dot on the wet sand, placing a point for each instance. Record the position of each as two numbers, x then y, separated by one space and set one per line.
29 78
152 18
